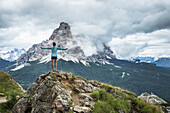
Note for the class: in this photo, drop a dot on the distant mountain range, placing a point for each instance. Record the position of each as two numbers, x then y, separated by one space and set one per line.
16 53
161 62
13 54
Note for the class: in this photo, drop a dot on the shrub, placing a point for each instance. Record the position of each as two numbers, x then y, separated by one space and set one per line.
95 95
70 103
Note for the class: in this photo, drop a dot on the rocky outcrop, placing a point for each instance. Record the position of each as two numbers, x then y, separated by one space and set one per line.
57 92
152 98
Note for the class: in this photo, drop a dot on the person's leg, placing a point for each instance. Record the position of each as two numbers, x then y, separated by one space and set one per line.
55 64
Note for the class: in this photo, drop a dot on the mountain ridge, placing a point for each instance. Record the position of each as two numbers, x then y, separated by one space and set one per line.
160 62
13 54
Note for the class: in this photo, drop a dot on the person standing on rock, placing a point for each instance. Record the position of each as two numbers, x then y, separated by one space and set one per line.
54 53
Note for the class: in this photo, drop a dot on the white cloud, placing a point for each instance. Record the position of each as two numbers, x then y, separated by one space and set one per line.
138 25
18 37
90 29
155 44
86 43
125 48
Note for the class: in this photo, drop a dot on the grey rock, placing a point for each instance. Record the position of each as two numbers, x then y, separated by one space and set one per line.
152 98
49 77
80 109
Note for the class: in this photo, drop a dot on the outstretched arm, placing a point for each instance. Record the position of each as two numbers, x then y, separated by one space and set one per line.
45 47
59 48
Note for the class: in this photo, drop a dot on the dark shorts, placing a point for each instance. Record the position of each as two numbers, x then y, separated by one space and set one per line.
53 57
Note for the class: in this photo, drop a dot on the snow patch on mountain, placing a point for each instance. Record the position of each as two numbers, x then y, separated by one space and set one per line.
45 59
85 62
108 57
117 66
18 67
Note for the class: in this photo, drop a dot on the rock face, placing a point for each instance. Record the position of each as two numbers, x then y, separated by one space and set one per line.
57 92
63 38
154 99
63 31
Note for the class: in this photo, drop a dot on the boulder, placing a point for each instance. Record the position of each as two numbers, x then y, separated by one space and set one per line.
80 109
152 98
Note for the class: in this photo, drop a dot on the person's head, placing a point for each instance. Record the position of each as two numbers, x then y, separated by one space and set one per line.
54 44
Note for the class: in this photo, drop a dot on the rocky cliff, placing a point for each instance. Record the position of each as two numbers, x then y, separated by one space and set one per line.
61 92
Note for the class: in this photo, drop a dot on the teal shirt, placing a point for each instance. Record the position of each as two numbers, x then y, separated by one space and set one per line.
54 50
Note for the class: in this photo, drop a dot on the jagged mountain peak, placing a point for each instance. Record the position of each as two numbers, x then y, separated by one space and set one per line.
63 32
63 38
62 92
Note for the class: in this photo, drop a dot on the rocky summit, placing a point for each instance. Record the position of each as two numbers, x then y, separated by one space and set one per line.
61 92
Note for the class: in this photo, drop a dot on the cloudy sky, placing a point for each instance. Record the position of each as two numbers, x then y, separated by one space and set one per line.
130 27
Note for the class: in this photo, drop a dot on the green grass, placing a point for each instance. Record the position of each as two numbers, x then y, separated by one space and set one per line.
8 86
144 107
110 103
